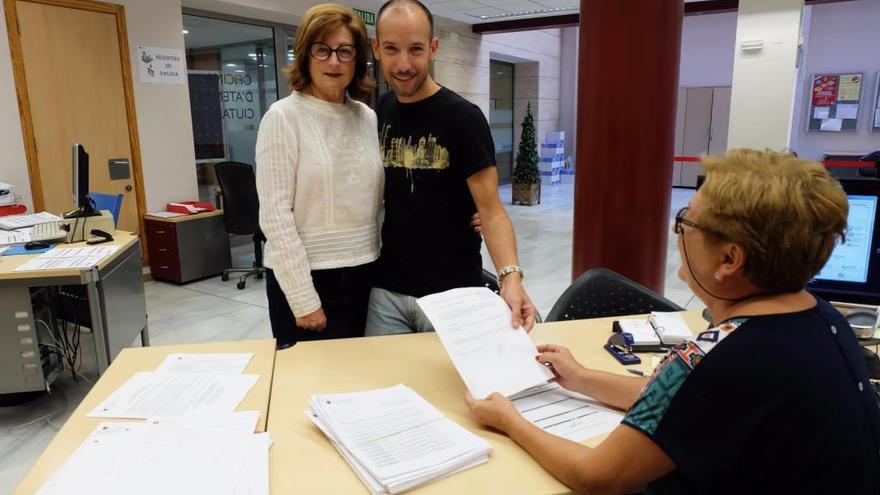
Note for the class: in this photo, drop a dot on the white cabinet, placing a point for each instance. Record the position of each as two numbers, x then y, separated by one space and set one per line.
700 129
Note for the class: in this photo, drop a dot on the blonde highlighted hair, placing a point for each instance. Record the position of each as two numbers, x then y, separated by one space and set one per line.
317 23
787 213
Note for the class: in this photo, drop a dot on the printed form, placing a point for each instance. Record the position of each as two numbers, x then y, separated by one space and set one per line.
473 324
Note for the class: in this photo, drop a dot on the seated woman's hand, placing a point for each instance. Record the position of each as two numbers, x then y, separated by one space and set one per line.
315 320
568 370
495 411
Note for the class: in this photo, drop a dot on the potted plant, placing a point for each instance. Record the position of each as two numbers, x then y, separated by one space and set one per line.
526 176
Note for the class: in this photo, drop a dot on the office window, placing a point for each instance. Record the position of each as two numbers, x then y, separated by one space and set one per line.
234 70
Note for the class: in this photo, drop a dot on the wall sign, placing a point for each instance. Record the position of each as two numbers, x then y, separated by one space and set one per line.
834 102
161 65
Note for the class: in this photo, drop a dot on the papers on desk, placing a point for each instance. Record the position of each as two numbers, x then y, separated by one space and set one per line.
394 439
9 237
20 221
210 363
564 413
474 325
169 395
61 258
200 454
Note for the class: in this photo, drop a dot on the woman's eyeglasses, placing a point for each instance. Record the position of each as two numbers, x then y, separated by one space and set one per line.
680 219
322 52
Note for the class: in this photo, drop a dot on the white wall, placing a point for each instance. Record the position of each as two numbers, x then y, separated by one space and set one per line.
762 97
13 164
163 118
843 37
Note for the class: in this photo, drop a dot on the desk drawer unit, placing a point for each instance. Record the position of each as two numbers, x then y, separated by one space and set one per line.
188 248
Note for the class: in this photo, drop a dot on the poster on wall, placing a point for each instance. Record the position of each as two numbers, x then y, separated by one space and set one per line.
161 65
834 102
876 113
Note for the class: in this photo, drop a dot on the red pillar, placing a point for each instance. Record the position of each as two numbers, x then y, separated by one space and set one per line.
627 90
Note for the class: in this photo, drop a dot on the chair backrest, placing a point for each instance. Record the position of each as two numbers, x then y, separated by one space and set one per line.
600 292
110 202
241 206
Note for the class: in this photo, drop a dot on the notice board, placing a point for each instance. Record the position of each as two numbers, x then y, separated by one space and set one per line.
875 113
834 101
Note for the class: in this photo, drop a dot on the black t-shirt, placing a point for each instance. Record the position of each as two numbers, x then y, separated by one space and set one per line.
781 404
429 149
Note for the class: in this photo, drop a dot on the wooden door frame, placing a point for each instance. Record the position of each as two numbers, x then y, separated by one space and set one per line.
21 91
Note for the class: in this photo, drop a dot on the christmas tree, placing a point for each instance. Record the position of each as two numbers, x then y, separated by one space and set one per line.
525 170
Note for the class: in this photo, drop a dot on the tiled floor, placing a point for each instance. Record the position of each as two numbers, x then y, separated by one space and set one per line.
212 310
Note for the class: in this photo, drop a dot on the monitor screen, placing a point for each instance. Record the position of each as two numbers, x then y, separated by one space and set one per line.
852 273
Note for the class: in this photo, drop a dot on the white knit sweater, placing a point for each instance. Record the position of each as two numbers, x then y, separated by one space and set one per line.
320 182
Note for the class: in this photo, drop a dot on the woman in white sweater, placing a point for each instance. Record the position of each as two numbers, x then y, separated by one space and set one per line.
320 182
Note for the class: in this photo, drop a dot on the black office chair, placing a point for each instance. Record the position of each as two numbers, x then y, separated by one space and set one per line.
874 171
241 213
491 281
600 293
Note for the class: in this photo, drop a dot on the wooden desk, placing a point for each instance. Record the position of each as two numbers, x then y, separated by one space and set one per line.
129 362
116 305
302 460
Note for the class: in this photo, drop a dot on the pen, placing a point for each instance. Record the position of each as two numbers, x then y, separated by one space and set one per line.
637 372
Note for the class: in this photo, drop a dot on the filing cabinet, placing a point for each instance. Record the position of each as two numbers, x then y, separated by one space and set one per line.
187 248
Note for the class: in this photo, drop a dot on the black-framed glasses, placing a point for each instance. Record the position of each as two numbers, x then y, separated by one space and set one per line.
322 52
680 219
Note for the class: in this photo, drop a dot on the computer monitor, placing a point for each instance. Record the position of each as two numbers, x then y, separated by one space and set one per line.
80 181
852 273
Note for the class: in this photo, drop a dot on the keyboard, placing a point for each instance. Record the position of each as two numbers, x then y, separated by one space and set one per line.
48 231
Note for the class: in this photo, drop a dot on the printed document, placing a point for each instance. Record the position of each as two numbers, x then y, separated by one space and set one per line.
490 355
394 439
61 258
20 221
564 413
207 363
167 395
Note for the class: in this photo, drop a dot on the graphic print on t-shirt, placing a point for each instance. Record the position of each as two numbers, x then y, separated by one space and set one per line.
424 153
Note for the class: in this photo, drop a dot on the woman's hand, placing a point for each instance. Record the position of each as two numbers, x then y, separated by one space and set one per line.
315 320
495 411
568 370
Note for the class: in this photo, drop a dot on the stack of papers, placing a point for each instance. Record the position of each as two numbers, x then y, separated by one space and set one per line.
218 455
393 439
21 221
490 355
192 441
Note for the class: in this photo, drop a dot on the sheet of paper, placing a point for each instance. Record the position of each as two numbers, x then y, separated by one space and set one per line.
164 395
473 324
821 112
207 363
564 413
671 327
19 221
62 258
165 214
846 111
8 237
642 331
3 249
831 125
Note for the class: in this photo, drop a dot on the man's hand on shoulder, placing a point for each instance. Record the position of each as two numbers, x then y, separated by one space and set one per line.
514 294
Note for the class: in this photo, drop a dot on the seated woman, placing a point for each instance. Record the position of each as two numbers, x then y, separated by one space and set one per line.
774 398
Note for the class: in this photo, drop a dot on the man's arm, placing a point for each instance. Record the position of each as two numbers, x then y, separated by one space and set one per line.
501 242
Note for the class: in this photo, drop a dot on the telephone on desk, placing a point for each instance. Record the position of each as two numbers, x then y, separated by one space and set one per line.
189 207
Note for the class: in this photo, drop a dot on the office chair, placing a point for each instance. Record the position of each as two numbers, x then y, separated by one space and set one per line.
490 281
600 292
874 171
241 213
110 202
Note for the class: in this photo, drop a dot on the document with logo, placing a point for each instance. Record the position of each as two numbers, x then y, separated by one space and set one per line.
490 355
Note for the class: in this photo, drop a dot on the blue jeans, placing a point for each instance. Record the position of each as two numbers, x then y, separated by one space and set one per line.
390 313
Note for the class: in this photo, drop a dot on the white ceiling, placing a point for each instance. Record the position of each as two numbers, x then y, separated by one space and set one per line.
469 11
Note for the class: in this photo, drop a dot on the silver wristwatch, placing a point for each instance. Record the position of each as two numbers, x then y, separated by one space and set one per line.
507 270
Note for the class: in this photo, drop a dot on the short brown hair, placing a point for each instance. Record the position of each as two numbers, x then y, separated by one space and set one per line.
317 23
787 213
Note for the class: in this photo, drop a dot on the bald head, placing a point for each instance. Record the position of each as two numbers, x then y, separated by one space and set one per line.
414 7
